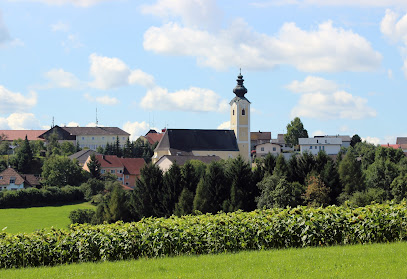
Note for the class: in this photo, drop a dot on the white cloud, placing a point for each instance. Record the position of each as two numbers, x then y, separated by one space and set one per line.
72 41
390 74
72 124
372 140
224 126
60 26
20 121
58 78
324 49
4 34
104 100
136 129
312 84
192 99
16 102
141 78
356 3
194 13
318 133
344 128
396 30
319 102
111 73
79 3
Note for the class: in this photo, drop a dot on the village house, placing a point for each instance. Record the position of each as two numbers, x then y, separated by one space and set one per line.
10 179
331 145
166 161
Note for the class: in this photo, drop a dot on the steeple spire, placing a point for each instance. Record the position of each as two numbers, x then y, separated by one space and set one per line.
240 90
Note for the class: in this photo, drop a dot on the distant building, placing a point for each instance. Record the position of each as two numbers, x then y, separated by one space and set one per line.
152 137
166 161
10 179
88 137
83 155
11 135
345 139
259 137
195 142
331 145
401 140
263 149
127 170
281 141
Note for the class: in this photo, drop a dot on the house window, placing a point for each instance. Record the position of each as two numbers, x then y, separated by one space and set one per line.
83 138
102 171
123 138
12 180
320 148
112 171
243 112
310 147
127 183
120 178
262 149
112 138
315 147
325 141
274 149
317 141
103 138
93 138
120 171
127 177
1 177
323 147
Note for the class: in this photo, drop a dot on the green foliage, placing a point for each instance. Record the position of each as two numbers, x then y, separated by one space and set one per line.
367 197
35 197
184 205
276 191
94 167
203 234
355 140
381 174
295 130
281 168
172 188
61 171
82 216
350 173
317 194
91 188
399 187
23 157
213 192
268 163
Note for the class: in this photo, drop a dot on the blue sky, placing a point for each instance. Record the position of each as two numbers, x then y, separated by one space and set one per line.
340 65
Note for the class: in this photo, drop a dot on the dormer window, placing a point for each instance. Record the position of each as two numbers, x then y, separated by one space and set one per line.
12 180
243 112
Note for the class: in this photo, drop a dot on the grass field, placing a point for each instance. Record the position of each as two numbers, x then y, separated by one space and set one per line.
359 261
33 218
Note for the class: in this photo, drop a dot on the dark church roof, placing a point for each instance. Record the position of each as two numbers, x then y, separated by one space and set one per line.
187 140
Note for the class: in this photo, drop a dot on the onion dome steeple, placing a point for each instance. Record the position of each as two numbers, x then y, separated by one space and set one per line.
240 90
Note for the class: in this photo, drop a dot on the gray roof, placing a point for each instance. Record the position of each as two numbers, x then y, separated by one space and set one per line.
95 131
401 140
187 140
343 138
82 155
181 160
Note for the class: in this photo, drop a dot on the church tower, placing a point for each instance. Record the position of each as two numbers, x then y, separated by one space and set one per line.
240 118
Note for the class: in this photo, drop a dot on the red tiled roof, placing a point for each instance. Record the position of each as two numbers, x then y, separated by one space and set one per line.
109 161
7 174
395 146
132 165
154 137
260 135
20 134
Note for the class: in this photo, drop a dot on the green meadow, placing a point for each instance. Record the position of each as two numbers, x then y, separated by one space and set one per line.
26 220
357 261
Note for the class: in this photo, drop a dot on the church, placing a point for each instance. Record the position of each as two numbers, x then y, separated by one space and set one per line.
223 143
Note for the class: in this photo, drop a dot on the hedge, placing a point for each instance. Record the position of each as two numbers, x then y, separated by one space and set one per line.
206 234
35 197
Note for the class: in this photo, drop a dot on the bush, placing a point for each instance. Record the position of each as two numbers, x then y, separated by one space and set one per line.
82 216
206 234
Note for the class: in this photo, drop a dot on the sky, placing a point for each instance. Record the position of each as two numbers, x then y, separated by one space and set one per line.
339 65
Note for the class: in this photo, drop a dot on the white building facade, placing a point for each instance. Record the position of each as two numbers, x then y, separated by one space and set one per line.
331 146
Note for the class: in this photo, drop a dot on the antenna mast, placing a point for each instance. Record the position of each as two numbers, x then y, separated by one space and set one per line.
97 122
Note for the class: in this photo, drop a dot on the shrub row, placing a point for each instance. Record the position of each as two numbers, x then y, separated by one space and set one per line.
45 196
203 234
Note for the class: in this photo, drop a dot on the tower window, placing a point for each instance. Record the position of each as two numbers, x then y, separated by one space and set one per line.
243 112
233 112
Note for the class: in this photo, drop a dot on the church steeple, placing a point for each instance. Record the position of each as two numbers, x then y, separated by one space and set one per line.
240 118
240 90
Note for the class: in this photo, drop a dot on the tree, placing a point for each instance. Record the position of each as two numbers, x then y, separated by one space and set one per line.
127 149
399 187
185 203
350 173
117 149
317 194
61 171
281 168
239 174
67 148
145 198
268 163
53 146
381 174
94 167
355 139
295 130
23 157
213 191
172 188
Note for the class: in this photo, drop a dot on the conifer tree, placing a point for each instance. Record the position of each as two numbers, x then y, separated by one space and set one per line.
281 168
350 173
172 188
94 167
24 157
239 175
